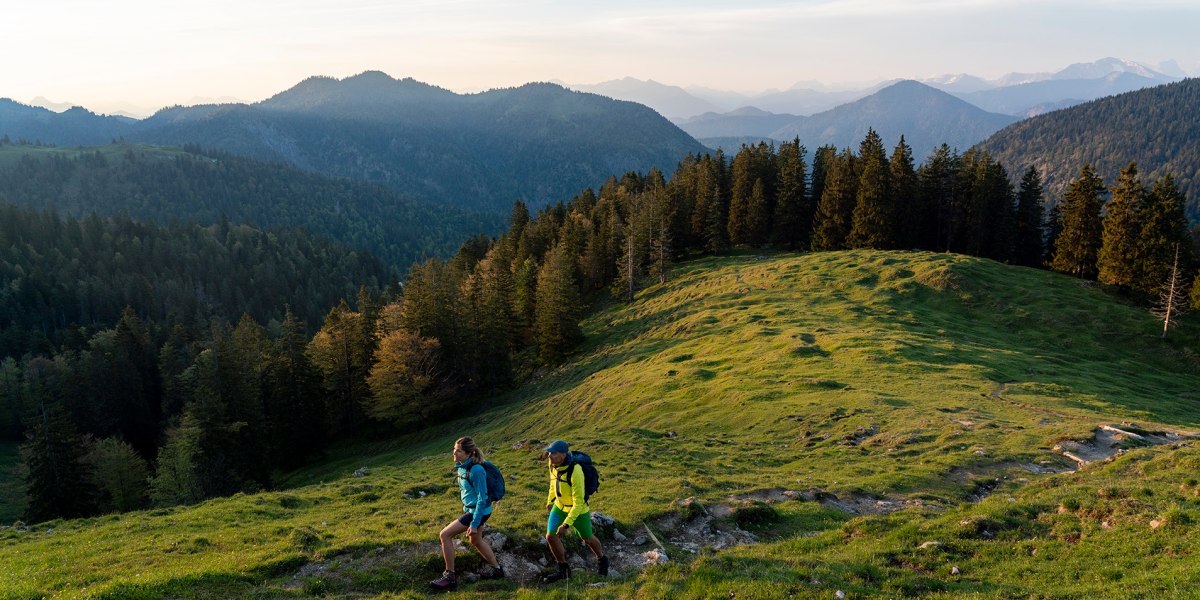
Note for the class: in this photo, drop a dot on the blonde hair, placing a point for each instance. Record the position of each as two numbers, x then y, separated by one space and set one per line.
466 444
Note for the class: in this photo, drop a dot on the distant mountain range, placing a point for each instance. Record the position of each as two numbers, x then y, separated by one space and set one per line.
1019 94
926 117
538 142
1155 127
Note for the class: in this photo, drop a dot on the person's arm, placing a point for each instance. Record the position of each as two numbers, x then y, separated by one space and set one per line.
577 485
550 496
479 485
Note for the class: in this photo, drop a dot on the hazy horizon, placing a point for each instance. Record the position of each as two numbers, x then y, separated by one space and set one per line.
138 56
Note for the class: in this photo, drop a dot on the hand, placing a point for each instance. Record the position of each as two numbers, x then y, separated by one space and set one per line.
562 529
471 531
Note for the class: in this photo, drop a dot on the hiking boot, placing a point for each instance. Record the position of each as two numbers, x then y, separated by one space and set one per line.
448 581
564 572
496 572
603 567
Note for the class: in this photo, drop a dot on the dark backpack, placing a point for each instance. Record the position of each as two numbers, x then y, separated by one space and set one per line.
495 481
591 477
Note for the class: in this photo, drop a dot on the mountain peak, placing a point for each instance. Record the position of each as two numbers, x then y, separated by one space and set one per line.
366 91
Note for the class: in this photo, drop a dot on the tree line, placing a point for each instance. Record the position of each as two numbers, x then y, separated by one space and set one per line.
193 414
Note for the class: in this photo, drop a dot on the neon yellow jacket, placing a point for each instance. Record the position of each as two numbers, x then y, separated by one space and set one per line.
568 498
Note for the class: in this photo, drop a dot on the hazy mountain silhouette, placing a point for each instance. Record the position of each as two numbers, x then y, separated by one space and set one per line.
926 117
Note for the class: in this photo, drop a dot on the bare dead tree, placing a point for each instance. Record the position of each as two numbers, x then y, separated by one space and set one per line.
1171 300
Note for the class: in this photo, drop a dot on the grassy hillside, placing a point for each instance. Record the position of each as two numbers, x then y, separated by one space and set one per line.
846 408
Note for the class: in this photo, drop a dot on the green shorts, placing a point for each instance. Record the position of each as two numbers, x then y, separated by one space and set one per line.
582 525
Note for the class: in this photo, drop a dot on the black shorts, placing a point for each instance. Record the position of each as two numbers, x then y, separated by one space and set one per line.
465 520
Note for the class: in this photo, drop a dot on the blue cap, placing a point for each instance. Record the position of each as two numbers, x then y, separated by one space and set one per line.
557 446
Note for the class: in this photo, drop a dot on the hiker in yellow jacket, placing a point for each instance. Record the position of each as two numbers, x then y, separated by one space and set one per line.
568 510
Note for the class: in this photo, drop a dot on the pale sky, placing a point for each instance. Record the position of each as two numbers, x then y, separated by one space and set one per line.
153 53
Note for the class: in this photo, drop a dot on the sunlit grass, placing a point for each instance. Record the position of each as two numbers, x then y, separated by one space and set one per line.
901 375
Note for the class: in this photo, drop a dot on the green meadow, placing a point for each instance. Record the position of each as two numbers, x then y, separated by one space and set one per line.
11 154
932 387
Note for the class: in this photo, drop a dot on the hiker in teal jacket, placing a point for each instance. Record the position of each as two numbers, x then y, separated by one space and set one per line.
568 510
477 508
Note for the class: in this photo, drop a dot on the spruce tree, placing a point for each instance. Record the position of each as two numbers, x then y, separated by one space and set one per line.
1164 229
793 209
1116 262
902 184
873 221
556 316
938 190
822 159
57 480
1078 243
1053 230
293 400
833 219
1028 244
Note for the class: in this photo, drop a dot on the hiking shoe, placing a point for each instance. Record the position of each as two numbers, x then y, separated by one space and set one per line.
496 572
563 572
603 566
445 583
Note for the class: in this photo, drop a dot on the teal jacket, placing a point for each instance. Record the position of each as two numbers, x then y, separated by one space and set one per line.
472 487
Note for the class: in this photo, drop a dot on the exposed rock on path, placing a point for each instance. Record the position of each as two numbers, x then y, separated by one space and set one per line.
1110 440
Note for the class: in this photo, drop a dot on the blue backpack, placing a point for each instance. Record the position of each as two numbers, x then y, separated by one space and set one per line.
591 477
495 481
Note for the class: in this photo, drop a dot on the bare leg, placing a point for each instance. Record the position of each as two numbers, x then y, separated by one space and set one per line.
482 546
447 539
556 547
594 544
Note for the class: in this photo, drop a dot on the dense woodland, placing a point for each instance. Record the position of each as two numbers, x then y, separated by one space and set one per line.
65 278
150 184
175 415
1155 127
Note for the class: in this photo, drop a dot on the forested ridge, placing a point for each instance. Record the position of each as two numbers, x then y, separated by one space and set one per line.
65 277
1154 127
204 186
210 411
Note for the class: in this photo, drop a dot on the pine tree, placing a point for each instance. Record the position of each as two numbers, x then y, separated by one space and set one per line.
485 302
1077 246
939 190
57 483
1163 234
822 159
1029 249
556 320
634 247
1053 231
793 209
337 352
835 211
293 400
902 183
1116 261
518 220
874 219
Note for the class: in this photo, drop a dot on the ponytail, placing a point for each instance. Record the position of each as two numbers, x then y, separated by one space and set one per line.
466 444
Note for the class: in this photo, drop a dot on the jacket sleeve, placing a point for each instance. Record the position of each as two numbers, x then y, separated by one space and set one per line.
550 496
479 485
577 486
